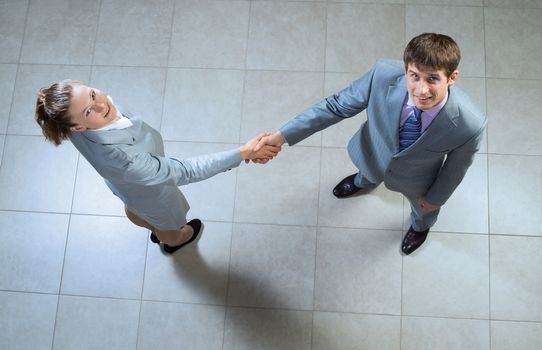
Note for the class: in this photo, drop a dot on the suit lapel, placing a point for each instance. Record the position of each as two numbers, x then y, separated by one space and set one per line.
110 137
444 123
394 100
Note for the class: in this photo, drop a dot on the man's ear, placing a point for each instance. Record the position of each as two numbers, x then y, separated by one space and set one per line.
78 128
453 77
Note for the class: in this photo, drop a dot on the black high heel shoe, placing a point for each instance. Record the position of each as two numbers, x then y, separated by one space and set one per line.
196 226
154 239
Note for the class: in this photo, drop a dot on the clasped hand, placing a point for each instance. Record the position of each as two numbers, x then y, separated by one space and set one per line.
258 151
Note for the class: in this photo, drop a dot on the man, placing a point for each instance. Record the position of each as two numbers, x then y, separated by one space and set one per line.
421 132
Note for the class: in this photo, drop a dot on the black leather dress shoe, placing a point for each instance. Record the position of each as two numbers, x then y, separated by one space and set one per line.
196 226
346 187
413 240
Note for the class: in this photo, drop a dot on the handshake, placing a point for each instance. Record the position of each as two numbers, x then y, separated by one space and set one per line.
262 148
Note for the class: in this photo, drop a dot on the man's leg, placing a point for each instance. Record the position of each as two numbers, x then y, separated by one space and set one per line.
363 182
421 221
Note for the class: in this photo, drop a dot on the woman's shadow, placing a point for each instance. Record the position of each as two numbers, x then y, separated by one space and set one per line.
250 327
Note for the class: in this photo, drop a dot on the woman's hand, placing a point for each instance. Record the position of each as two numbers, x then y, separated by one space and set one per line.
261 155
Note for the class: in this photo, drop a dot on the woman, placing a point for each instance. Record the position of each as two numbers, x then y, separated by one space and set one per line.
129 155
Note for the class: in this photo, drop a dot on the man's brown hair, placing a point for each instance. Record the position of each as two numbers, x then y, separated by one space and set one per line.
437 51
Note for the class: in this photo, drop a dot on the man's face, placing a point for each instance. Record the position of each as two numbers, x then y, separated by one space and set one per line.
426 86
90 108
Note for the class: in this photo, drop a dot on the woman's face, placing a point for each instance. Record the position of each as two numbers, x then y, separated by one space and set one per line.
90 108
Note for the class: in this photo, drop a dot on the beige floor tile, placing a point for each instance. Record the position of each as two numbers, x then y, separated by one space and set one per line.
516 285
448 276
286 36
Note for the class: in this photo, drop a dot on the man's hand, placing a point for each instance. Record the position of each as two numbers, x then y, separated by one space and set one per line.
428 207
261 155
275 139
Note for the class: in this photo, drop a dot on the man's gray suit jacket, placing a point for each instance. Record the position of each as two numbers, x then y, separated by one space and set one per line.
133 165
432 167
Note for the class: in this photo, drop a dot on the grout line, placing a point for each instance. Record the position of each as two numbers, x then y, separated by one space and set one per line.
402 277
247 69
164 89
24 31
270 308
74 185
141 295
355 72
402 212
320 170
245 63
96 34
297 146
228 280
487 179
242 112
289 225
91 70
163 107
65 247
54 323
243 88
314 286
18 64
60 213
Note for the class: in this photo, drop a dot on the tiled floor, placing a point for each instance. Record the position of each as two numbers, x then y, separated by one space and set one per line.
282 264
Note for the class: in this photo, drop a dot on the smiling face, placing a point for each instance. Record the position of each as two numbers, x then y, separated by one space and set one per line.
427 86
90 108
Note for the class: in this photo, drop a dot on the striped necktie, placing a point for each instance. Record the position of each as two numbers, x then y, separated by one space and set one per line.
411 129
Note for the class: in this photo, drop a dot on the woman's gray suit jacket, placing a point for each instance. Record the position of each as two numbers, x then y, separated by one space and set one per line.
133 165
432 167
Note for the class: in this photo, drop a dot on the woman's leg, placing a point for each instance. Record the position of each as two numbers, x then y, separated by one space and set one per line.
175 237
170 237
137 220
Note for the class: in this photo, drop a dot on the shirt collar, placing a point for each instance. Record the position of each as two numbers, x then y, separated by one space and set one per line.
433 111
